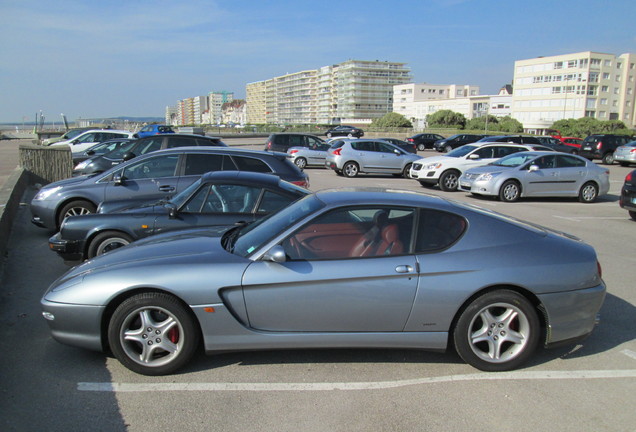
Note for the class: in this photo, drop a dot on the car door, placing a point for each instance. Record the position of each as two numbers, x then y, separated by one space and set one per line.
84 142
316 151
543 181
151 178
389 160
572 174
329 283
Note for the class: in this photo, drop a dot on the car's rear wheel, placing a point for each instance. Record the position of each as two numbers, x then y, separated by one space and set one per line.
510 191
632 214
106 242
448 149
406 171
608 158
301 162
349 135
588 193
498 331
449 180
421 147
350 169
75 208
153 334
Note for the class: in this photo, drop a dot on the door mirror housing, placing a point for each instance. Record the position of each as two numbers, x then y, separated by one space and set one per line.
128 156
275 254
172 210
473 156
118 180
532 168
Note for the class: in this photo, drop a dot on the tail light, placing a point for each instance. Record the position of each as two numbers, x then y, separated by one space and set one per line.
633 150
269 145
337 152
410 140
629 177
293 151
302 183
599 145
600 270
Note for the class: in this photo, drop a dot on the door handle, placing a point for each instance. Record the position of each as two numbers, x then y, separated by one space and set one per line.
166 188
404 269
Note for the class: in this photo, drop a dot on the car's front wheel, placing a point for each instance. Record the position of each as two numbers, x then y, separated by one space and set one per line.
448 149
588 193
498 331
632 214
106 242
153 334
301 162
449 180
510 191
350 169
75 208
421 147
608 158
406 171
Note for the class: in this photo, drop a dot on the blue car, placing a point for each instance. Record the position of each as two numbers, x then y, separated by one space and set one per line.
153 129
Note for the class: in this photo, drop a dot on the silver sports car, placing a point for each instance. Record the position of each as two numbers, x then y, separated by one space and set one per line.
338 268
537 174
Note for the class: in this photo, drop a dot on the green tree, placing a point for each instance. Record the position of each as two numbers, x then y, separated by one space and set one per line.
479 123
587 126
391 120
446 119
510 125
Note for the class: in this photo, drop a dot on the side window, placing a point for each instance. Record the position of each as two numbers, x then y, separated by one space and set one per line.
197 201
156 167
180 142
383 148
88 138
296 141
353 233
251 164
505 151
486 152
313 143
272 202
569 162
237 198
545 162
437 230
149 145
362 145
200 163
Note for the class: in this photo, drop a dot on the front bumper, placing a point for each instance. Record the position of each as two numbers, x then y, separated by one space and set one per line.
69 250
75 325
42 215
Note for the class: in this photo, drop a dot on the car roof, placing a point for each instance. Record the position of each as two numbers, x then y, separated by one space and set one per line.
242 176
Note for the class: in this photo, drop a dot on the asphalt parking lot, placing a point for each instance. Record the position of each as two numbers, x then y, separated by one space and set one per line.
48 386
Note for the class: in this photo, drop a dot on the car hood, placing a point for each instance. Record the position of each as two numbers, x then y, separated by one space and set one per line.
72 181
435 159
489 169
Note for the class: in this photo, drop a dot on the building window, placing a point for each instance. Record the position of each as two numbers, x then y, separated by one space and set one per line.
591 114
558 65
591 90
618 65
595 62
608 63
593 77
572 64
604 101
606 75
605 89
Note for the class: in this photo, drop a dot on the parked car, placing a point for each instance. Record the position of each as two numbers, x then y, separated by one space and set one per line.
424 141
602 146
154 129
572 141
102 148
101 163
557 145
85 140
284 141
628 194
345 131
537 174
446 170
626 154
351 157
404 145
67 136
511 139
221 198
153 176
339 268
452 142
304 157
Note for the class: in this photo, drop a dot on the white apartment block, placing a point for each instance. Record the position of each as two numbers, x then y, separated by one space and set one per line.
355 90
234 112
216 99
585 84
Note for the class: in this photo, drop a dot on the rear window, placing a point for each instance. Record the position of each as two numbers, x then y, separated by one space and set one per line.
181 142
251 164
437 230
200 163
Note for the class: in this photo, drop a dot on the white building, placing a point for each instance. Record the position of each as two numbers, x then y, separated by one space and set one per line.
585 84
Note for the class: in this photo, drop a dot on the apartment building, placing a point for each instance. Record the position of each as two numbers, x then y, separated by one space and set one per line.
216 99
585 84
353 91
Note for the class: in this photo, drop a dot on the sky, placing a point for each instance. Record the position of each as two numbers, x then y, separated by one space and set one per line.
111 58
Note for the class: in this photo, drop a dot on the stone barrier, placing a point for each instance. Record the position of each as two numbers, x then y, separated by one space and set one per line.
46 164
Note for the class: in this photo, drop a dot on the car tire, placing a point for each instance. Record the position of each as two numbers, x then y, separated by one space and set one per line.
624 164
153 334
632 214
406 171
449 180
608 158
497 331
75 208
301 163
350 169
588 193
106 242
510 191
421 147
448 149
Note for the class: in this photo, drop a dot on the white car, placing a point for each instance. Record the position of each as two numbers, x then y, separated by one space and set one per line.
86 140
445 170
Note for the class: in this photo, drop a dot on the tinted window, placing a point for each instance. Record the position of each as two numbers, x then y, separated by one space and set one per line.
296 141
437 230
362 145
272 202
383 148
251 164
178 141
313 142
200 163
148 145
569 161
156 167
545 162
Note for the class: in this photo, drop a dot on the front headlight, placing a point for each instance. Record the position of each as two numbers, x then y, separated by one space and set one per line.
433 166
45 193
83 164
486 176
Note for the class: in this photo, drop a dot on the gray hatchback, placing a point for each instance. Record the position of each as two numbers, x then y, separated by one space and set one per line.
350 157
152 176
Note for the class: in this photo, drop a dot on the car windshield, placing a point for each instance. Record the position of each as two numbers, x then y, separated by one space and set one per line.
118 153
514 160
461 151
245 240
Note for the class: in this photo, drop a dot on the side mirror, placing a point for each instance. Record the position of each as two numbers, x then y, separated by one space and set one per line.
533 168
118 180
74 141
128 156
275 254
90 152
473 156
172 210
397 152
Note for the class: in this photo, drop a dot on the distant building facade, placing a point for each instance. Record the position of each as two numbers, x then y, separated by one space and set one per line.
585 84
353 91
234 112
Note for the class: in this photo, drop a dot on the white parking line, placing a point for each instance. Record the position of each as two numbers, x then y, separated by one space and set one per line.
582 218
629 353
379 385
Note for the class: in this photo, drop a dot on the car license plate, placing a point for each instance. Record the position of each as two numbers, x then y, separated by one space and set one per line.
587 148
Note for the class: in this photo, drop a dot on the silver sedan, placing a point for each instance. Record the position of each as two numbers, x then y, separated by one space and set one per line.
304 157
537 174
626 154
339 268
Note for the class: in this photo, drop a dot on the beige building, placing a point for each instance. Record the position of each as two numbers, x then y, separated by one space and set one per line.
585 84
353 91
